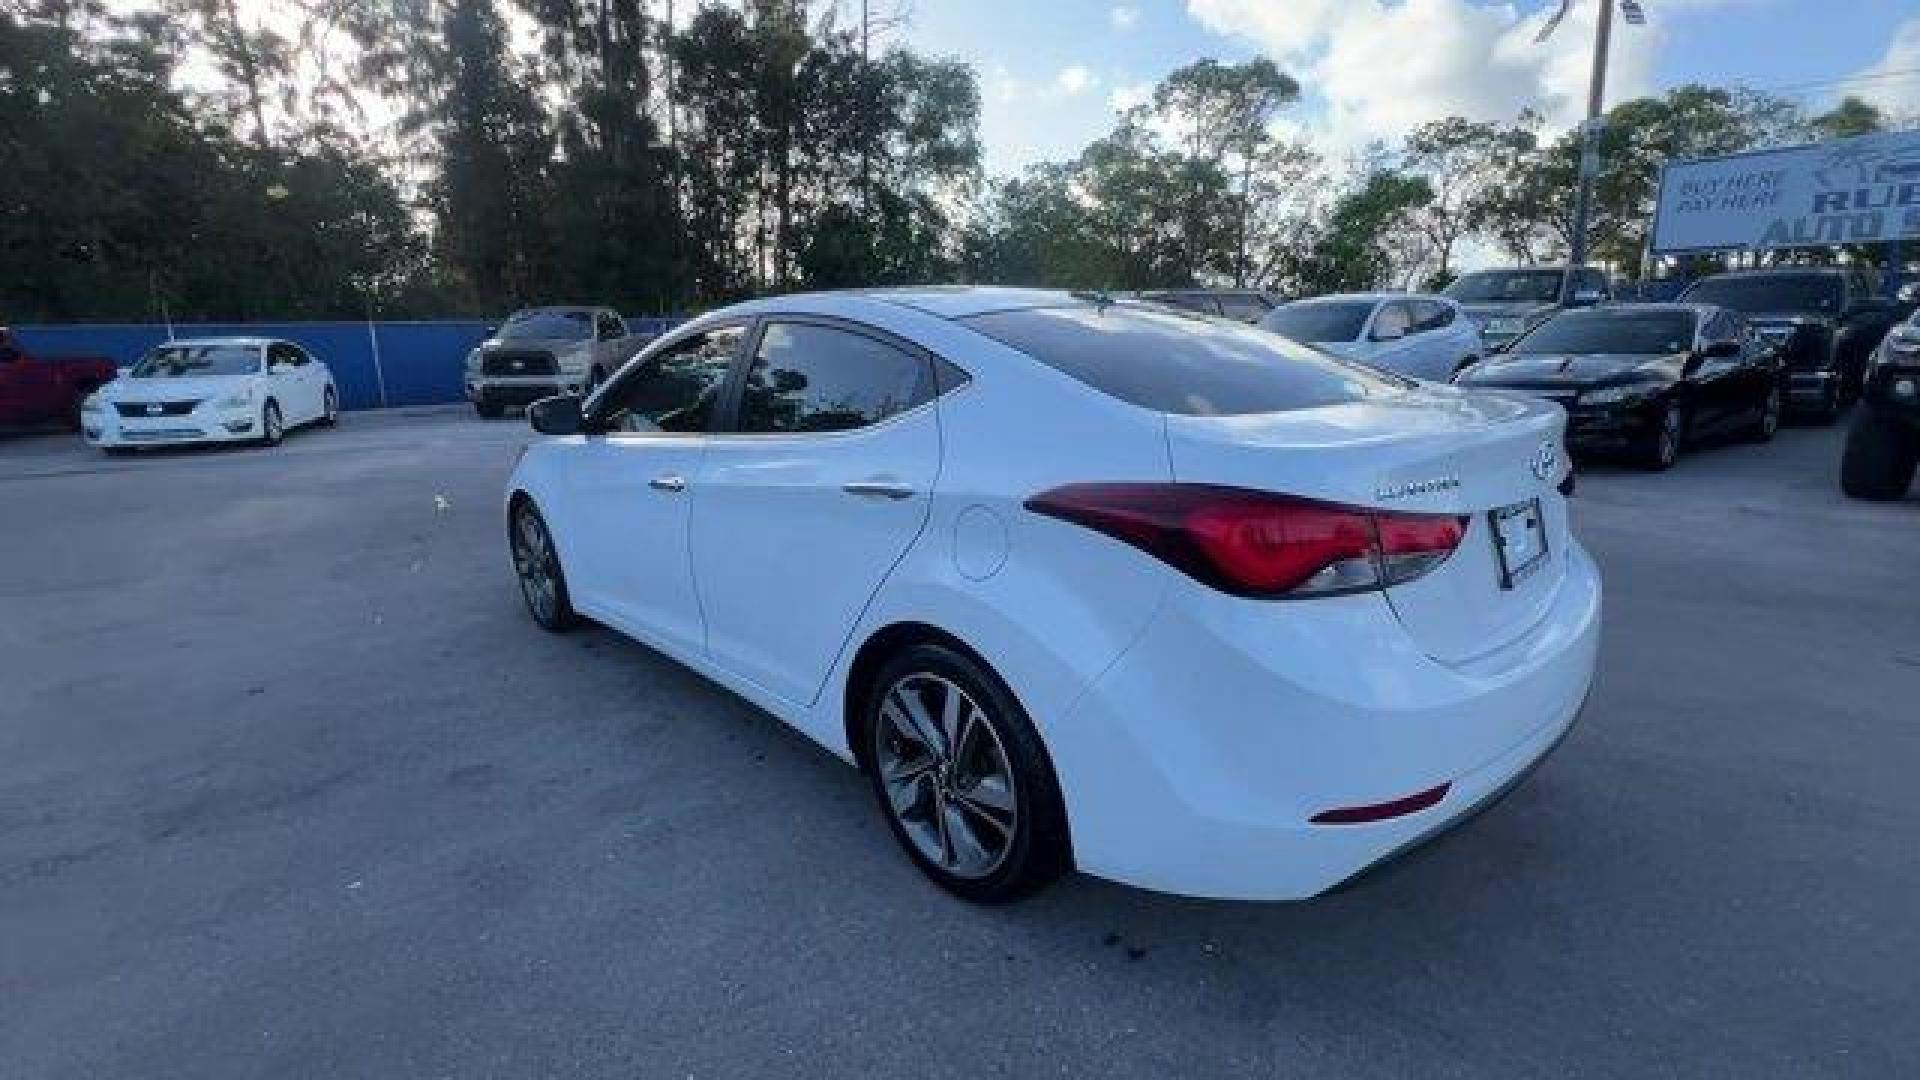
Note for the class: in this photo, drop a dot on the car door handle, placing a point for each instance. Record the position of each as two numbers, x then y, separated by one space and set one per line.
669 482
878 489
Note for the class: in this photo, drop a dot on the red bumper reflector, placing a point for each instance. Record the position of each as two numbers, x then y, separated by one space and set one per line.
1358 815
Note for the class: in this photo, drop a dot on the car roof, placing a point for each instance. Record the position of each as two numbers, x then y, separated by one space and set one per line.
1663 305
1370 297
941 301
1776 271
252 342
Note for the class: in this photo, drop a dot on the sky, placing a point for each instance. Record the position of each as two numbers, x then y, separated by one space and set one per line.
1054 72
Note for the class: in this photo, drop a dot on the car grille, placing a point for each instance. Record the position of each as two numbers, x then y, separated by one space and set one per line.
515 365
161 434
142 409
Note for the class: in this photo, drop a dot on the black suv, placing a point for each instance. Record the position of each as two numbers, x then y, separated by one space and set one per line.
1826 320
1883 444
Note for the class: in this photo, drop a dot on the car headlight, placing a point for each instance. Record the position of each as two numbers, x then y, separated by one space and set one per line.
1617 395
1902 346
93 404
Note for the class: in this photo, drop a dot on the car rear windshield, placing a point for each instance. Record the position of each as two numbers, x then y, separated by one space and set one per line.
1623 331
1318 320
189 361
1172 362
1776 292
548 326
1508 287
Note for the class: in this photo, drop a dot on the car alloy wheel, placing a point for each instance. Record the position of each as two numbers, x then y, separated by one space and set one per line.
537 566
1668 439
945 771
271 427
330 408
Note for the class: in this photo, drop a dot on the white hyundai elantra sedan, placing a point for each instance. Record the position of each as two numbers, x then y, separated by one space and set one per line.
211 390
1078 583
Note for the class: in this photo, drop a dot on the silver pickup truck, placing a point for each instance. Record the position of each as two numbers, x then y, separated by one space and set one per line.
539 352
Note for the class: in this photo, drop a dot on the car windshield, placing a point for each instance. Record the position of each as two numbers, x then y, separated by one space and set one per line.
1774 292
1319 320
1508 287
188 361
1169 361
548 326
1610 331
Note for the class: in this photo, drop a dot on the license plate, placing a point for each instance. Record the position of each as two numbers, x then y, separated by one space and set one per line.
1519 540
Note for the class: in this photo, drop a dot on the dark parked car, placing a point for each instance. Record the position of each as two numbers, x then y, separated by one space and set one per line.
1883 445
1246 305
1645 378
1508 302
1825 319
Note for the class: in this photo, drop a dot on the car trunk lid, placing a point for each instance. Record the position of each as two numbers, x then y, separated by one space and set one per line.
1493 459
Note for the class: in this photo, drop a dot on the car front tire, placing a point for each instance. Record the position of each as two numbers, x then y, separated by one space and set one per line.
962 777
272 427
329 408
1767 424
536 563
1880 456
1662 446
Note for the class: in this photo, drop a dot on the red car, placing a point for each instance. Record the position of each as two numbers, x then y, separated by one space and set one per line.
41 390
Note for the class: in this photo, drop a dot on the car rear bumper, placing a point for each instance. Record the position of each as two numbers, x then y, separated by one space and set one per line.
521 391
1196 765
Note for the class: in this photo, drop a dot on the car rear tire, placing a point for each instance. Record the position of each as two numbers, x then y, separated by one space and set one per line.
962 776
1662 447
1767 424
272 427
489 409
536 563
1879 460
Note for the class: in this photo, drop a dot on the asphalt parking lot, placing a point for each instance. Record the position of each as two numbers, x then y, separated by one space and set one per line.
290 786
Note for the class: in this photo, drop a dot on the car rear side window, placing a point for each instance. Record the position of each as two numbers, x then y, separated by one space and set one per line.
1170 362
812 378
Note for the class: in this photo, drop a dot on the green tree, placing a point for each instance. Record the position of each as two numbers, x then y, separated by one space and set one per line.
1853 116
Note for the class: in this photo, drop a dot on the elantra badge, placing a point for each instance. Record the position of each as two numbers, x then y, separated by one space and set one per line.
1545 460
1417 487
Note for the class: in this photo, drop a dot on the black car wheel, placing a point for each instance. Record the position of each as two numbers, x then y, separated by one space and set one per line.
1879 460
329 408
1767 424
1662 445
488 408
272 429
962 777
536 562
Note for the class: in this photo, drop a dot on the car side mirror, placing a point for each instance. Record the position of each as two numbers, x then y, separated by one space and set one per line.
557 415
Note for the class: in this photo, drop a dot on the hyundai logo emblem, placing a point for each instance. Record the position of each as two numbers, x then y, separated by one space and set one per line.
1545 460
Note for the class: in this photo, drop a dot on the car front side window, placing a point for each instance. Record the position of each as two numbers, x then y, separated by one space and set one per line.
674 391
808 377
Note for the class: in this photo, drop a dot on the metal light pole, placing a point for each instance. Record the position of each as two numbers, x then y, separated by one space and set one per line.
1590 129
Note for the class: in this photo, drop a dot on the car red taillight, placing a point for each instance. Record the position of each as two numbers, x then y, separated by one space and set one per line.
1257 543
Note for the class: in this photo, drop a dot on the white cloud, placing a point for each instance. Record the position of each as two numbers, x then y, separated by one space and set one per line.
1075 80
1128 96
1381 68
1891 82
1123 17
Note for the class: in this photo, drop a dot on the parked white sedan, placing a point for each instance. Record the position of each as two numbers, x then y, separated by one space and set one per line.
1081 582
208 390
1418 335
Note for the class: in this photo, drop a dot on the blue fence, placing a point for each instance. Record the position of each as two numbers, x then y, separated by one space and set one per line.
374 364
